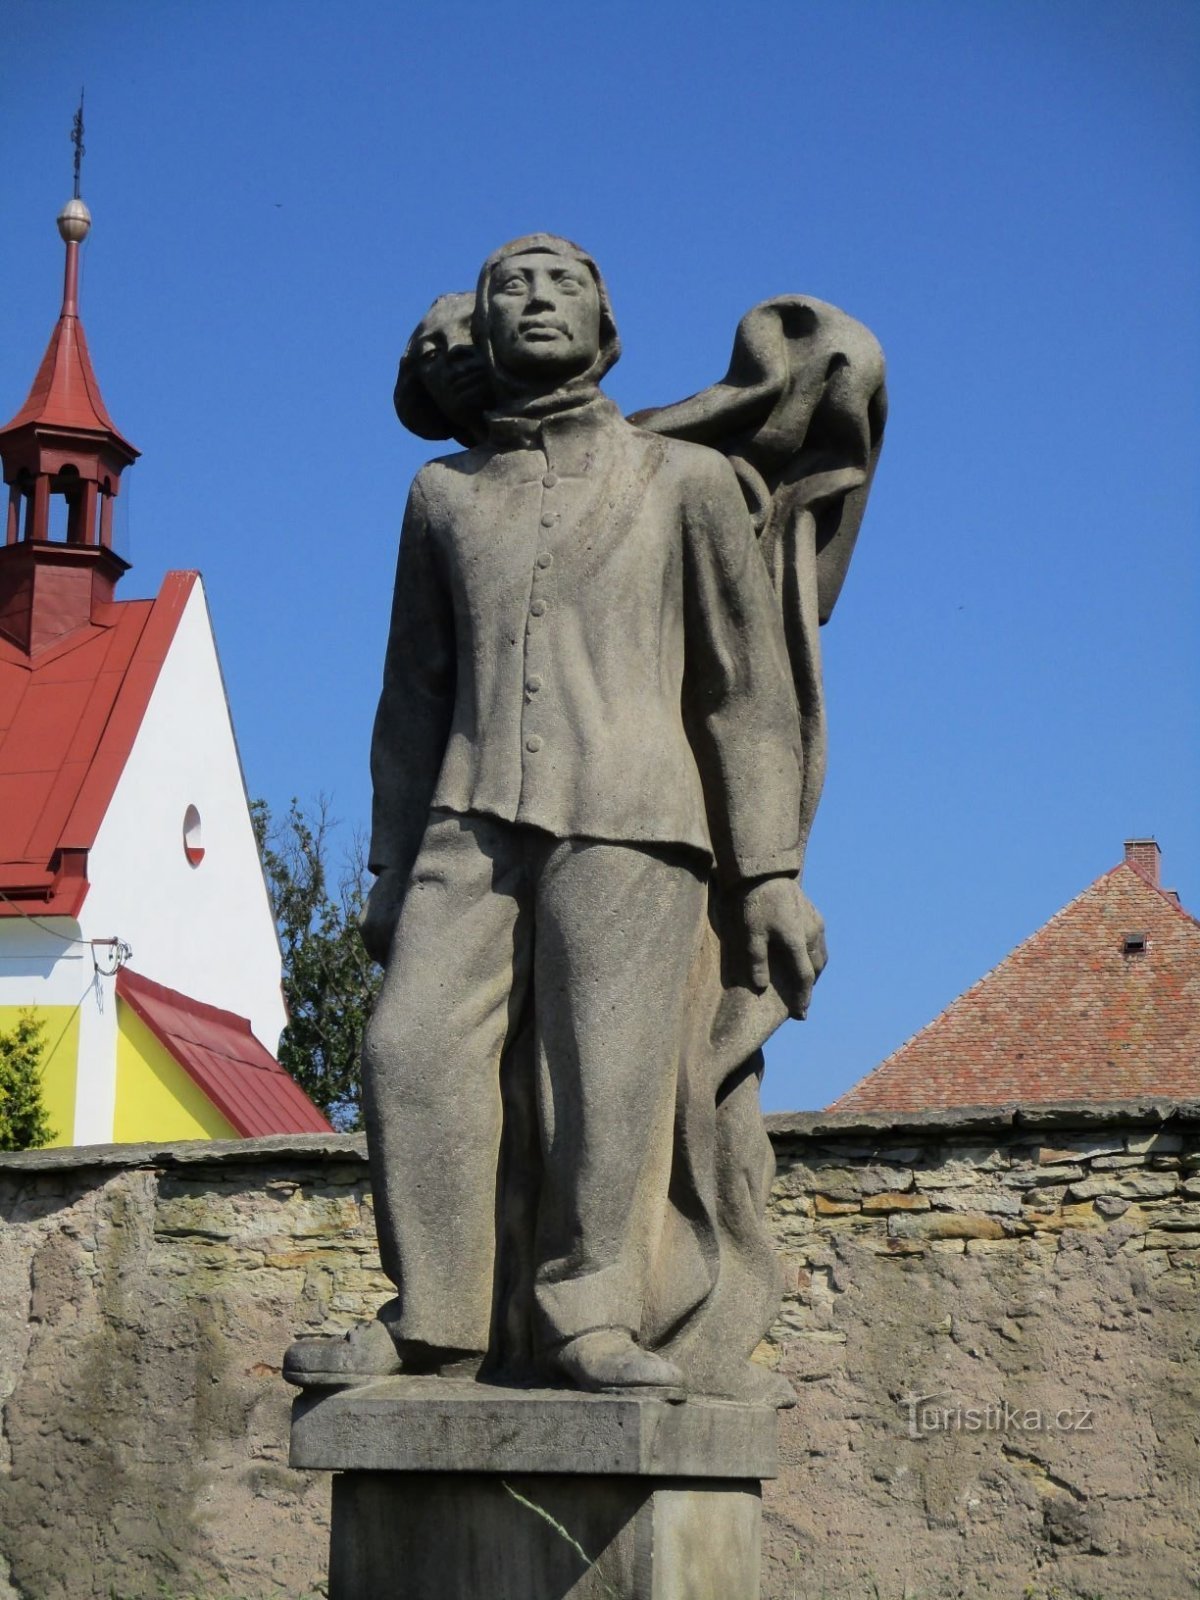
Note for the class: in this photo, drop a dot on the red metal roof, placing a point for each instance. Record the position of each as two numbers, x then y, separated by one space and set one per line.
68 719
1068 1015
227 1063
65 393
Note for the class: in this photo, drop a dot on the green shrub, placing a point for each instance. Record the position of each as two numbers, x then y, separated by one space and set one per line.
24 1124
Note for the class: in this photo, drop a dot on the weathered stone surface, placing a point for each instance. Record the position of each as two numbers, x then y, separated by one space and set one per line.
1031 1177
848 1126
996 1202
1080 1150
1160 1144
945 1225
144 1419
849 1182
145 1425
453 1536
548 1231
1077 1214
1130 1185
322 1150
1183 1218
906 1201
1167 1239
961 1169
414 1425
1103 1114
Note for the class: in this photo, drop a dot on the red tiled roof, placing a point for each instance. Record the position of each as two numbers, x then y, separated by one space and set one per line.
1068 1015
68 719
223 1058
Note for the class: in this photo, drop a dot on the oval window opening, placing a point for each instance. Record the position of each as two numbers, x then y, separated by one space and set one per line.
193 836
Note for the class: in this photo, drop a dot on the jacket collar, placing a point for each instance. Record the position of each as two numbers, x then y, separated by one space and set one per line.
572 420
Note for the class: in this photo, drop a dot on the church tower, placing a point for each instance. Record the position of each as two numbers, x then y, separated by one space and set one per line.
135 926
63 457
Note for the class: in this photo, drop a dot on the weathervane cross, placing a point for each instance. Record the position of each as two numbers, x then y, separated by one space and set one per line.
77 141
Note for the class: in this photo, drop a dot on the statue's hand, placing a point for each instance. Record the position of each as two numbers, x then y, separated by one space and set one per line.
379 916
785 939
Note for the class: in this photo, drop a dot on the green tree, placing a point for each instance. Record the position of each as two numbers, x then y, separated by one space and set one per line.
329 981
24 1124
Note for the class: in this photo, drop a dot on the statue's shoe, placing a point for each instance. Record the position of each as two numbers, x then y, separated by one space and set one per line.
336 1362
755 1385
608 1361
368 1352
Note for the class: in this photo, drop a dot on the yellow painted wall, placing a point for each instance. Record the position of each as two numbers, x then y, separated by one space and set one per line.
155 1097
60 1056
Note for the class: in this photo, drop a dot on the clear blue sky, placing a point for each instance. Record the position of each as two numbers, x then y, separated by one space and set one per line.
1005 192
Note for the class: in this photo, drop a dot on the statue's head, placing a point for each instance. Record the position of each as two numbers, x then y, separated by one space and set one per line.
542 314
443 387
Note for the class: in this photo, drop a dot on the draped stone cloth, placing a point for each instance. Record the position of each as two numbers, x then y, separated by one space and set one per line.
800 414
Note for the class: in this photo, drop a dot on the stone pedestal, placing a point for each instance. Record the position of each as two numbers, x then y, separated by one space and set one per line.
459 1491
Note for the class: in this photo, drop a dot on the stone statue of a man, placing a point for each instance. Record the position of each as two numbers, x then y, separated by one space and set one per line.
587 721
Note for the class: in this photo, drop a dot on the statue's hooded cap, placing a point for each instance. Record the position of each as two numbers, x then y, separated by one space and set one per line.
546 244
415 406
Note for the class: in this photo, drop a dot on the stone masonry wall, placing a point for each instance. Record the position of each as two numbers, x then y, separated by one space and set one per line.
991 1320
993 1324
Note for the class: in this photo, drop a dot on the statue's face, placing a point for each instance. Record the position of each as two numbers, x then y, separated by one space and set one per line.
543 316
451 368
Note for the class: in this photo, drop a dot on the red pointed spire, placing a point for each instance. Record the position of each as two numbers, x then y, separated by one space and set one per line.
61 442
65 393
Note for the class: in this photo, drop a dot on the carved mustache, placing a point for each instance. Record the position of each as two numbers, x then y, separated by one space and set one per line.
543 325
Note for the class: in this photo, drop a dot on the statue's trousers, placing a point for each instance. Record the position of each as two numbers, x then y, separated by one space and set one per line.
598 939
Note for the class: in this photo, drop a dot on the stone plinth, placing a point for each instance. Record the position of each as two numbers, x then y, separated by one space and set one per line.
460 1491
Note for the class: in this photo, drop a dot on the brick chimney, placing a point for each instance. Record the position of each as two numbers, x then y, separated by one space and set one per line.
1145 857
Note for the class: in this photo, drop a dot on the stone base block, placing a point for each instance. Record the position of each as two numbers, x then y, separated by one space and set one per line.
473 1536
461 1491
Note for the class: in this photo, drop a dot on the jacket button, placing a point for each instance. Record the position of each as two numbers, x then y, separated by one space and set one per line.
533 683
533 744
549 480
544 560
549 520
538 608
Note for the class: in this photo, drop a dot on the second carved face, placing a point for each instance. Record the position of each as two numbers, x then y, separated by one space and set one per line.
448 364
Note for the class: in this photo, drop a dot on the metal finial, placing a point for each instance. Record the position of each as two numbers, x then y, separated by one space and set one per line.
75 219
77 141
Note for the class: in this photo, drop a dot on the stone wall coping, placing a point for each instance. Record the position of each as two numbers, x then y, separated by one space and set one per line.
1014 1118
782 1126
279 1147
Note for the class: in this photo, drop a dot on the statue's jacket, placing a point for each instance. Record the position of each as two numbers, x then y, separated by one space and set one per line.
584 640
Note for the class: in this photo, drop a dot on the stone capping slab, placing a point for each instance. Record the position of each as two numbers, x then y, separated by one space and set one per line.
983 1119
448 1425
331 1147
781 1126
